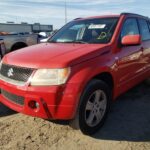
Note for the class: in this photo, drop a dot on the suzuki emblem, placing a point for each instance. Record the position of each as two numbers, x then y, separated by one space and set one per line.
10 72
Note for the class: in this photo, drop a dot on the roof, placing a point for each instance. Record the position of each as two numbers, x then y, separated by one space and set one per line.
134 14
94 17
111 16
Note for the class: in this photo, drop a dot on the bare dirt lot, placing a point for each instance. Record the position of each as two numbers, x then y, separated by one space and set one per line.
127 128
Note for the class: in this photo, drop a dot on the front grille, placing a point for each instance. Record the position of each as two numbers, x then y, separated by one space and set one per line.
15 73
12 97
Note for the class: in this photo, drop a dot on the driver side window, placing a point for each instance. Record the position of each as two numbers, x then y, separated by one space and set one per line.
130 27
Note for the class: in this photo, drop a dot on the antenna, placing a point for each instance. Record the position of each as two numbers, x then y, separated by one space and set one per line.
65 12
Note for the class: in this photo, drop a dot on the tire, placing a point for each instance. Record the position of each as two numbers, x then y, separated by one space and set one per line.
147 81
18 46
92 111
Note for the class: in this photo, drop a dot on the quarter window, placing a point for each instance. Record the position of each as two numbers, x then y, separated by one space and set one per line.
145 32
130 27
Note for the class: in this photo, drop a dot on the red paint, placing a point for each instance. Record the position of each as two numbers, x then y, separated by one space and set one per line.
128 65
131 40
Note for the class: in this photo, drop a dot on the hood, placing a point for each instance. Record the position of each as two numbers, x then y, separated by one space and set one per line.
53 55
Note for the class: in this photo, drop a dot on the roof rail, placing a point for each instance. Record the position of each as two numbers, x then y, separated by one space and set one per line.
127 13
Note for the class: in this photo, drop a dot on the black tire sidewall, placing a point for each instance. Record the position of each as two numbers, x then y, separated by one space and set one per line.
91 87
147 81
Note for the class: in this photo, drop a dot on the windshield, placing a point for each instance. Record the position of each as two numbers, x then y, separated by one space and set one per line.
99 30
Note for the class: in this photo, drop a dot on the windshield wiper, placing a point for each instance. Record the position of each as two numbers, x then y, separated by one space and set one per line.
82 42
75 41
52 41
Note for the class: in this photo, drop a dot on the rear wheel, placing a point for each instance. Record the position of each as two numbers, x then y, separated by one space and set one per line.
93 107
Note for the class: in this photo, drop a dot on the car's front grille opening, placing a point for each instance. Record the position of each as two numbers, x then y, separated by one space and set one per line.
12 97
16 73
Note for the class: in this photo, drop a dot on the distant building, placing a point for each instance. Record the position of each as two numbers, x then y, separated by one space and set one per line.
25 27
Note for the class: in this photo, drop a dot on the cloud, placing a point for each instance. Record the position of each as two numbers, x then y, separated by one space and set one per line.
53 12
79 2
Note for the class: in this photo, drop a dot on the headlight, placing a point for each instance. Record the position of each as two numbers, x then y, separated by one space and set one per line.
50 77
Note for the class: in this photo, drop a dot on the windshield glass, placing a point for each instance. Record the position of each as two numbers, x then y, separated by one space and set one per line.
99 30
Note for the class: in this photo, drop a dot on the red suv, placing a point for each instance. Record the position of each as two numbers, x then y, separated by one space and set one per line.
79 71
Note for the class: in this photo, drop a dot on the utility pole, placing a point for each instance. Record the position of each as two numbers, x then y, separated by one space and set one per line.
65 12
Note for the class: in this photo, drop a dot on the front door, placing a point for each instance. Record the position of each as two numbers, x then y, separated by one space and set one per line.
129 58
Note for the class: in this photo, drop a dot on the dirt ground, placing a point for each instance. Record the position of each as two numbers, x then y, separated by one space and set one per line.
127 128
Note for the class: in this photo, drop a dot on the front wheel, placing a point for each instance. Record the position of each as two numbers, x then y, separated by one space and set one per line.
93 107
147 81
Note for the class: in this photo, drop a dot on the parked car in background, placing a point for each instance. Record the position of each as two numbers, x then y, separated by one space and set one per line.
44 40
42 36
84 67
14 41
48 36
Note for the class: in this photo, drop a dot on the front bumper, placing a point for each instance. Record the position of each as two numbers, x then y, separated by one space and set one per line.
55 102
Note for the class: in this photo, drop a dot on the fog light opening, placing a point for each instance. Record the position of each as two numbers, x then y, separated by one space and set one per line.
33 104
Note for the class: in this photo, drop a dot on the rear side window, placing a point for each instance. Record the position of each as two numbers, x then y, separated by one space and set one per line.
149 25
130 27
145 32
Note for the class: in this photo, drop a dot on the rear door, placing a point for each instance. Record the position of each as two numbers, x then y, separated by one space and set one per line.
145 33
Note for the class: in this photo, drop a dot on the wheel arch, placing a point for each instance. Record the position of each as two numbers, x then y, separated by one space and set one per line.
107 77
18 45
104 76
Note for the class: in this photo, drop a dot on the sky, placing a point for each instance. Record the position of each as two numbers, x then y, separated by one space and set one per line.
53 11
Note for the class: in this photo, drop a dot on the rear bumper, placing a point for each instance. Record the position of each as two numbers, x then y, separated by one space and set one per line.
55 102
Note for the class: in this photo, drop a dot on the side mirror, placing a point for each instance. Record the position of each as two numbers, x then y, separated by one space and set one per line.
131 40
